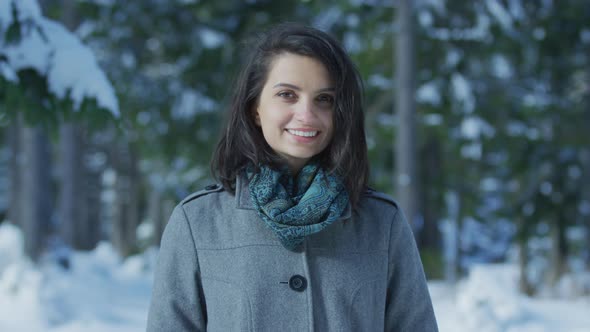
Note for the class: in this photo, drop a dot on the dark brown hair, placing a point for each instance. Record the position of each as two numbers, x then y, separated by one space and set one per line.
242 142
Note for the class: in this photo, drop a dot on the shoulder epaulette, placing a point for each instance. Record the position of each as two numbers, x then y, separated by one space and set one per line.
212 188
381 196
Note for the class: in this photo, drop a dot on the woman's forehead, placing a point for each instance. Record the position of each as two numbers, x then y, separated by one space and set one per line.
298 72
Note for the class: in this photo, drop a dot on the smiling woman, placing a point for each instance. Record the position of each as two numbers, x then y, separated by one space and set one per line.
296 108
292 239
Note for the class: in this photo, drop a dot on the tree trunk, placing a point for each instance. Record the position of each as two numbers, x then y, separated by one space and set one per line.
429 239
586 173
80 223
559 250
586 205
155 214
405 183
91 232
126 210
36 196
72 203
430 236
15 169
522 236
523 262
451 236
167 209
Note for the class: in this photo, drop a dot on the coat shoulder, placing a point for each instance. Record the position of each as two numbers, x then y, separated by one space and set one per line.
209 189
381 198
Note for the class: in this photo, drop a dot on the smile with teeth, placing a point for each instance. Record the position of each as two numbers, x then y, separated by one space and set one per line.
303 133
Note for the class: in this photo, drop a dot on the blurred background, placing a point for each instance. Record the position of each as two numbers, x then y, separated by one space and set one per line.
477 119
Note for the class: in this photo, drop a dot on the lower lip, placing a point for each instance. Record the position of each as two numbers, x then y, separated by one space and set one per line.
303 139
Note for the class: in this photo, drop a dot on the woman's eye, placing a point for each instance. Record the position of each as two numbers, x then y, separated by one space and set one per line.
286 94
327 100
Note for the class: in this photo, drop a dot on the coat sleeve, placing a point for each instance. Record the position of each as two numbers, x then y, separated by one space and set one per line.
408 303
177 302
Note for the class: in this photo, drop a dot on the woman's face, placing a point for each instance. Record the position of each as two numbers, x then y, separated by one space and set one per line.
296 108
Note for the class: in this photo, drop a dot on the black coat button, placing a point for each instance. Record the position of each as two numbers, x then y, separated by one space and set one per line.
298 283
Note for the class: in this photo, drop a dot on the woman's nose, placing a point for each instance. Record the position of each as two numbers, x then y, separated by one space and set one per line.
304 111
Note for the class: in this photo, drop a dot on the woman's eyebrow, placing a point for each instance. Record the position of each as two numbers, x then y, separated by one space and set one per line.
287 85
326 90
295 87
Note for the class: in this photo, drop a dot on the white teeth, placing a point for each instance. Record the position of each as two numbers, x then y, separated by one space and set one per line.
303 133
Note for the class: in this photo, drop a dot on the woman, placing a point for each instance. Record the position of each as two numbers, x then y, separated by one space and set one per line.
292 239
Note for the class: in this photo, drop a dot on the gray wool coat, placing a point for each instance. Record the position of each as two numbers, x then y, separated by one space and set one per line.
220 268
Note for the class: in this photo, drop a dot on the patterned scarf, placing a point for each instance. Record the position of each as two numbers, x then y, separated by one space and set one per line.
297 207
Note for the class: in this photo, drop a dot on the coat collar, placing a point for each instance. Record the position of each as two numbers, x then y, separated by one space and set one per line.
244 202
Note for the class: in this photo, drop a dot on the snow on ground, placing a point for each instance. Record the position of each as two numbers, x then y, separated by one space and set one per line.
102 293
488 301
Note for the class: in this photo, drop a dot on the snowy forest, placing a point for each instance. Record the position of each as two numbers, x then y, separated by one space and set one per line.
477 117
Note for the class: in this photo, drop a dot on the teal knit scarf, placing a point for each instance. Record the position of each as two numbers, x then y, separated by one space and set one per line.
297 207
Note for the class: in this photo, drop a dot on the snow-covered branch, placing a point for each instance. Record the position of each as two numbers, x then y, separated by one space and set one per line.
30 41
